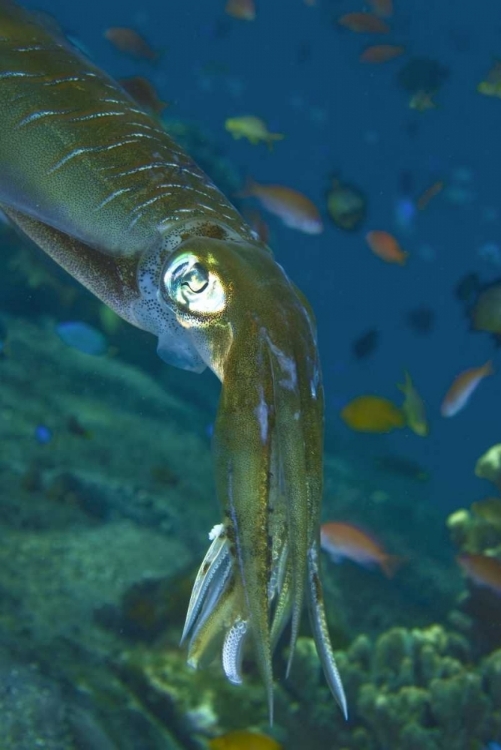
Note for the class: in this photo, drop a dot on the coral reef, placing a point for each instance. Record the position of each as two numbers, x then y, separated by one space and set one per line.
488 466
472 533
410 689
478 609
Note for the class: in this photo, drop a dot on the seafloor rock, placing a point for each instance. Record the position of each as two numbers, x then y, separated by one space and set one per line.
93 514
88 518
35 714
95 712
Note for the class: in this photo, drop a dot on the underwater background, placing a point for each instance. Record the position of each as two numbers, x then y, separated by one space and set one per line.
106 493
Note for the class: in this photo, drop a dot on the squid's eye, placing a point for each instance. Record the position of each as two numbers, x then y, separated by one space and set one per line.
192 286
196 280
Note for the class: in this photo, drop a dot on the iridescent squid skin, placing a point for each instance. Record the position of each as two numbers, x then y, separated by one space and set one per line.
101 188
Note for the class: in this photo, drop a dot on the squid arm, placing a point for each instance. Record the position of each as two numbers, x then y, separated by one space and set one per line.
102 189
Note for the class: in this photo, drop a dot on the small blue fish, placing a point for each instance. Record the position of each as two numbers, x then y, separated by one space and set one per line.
43 434
82 337
405 213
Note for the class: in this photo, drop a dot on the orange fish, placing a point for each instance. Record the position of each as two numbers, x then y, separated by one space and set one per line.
429 194
381 53
143 93
293 208
373 414
244 10
130 42
482 569
383 8
386 247
462 388
364 23
244 740
344 540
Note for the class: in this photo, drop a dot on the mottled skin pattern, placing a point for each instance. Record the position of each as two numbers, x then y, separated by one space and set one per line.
99 186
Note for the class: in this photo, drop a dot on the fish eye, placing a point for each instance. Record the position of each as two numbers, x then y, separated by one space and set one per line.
192 286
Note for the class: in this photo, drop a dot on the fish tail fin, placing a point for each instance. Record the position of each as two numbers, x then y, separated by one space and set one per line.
404 387
488 368
390 564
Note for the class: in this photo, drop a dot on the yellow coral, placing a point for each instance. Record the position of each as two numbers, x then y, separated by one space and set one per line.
488 465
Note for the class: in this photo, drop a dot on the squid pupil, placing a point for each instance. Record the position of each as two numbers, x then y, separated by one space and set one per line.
196 281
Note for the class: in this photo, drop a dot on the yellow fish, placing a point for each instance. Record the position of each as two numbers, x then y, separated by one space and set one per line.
373 414
252 128
244 740
413 408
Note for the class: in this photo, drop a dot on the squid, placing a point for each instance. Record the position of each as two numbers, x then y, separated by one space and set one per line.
99 186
